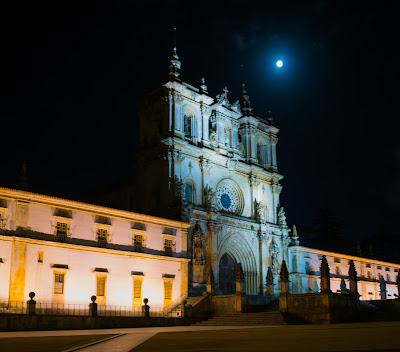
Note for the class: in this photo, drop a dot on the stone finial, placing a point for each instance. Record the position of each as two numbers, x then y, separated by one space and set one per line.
324 266
325 276
352 271
203 86
269 278
270 282
343 288
175 64
295 237
146 308
284 274
382 286
31 305
353 278
93 307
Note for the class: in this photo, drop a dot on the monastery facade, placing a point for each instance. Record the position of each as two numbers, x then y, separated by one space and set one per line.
209 164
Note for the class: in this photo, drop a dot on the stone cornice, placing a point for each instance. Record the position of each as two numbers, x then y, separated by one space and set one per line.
300 249
89 208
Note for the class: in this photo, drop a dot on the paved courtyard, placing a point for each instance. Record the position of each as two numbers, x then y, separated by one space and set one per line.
376 337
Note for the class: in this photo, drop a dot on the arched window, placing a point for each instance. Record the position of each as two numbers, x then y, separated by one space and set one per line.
190 191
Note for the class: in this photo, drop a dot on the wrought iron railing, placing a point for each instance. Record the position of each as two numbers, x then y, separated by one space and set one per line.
83 310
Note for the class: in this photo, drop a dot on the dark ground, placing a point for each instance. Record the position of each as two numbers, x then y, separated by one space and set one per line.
47 344
382 337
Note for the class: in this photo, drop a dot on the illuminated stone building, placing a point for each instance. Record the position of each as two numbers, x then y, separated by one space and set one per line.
67 251
212 162
208 163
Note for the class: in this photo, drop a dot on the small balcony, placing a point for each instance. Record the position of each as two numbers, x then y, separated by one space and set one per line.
168 251
102 242
137 247
61 237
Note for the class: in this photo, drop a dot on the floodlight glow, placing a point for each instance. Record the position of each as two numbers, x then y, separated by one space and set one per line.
279 63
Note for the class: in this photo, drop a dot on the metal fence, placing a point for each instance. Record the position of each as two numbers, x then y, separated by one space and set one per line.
83 310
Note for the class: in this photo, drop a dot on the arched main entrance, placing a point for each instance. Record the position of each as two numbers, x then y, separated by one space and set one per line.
227 275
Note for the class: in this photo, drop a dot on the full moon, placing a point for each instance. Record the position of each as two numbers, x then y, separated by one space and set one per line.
279 63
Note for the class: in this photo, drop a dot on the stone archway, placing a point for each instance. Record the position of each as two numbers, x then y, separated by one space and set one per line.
226 275
239 249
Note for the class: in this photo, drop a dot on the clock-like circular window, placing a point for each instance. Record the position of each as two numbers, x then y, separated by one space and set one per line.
229 197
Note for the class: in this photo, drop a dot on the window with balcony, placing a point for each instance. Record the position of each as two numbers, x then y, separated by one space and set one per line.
168 246
138 242
102 237
62 231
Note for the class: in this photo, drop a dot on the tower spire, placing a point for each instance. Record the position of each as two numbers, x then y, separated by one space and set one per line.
175 64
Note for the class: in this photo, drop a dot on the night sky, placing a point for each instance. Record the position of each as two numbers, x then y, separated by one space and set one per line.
72 76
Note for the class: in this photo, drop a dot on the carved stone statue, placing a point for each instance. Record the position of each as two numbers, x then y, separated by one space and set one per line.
258 211
179 191
282 217
198 245
273 255
209 195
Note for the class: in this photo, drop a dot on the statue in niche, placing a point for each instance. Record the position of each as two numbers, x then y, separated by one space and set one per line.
282 217
198 245
273 257
209 195
258 211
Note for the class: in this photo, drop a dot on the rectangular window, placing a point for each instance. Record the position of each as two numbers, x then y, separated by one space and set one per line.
307 267
59 283
61 228
101 286
2 221
138 242
337 270
40 257
137 288
168 290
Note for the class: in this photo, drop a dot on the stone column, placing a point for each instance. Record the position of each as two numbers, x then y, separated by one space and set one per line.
274 141
325 276
235 132
205 111
211 257
178 124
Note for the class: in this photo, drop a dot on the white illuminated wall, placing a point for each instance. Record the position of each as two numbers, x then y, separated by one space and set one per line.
303 282
82 260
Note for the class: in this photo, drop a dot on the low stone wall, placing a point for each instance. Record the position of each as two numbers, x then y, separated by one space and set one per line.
227 304
23 322
320 308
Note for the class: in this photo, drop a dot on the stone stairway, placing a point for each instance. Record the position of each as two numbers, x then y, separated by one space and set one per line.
190 300
272 316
